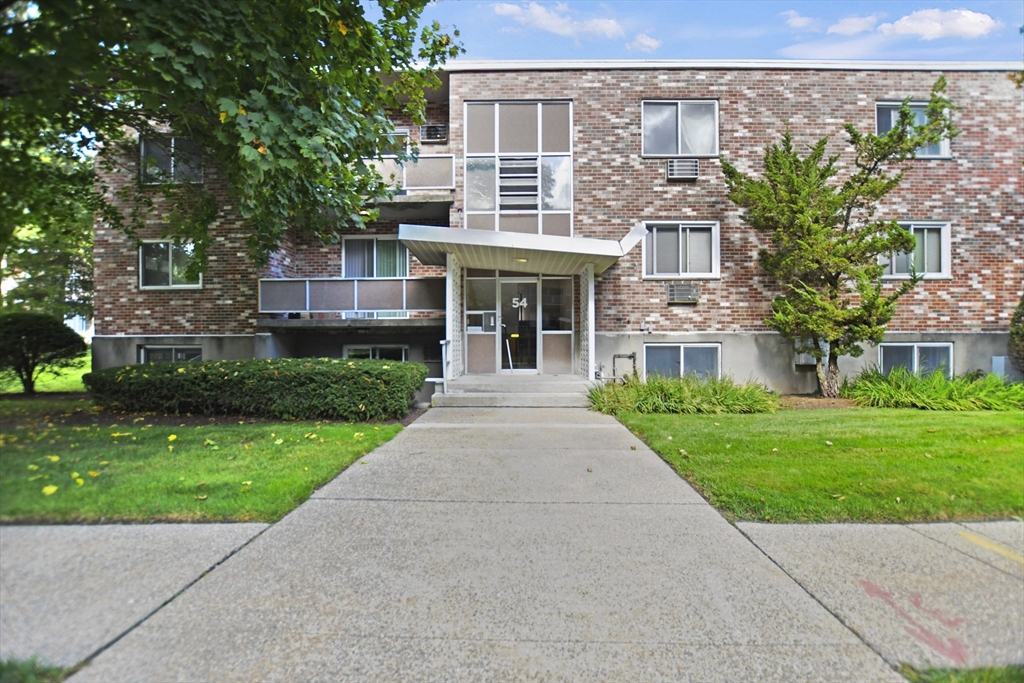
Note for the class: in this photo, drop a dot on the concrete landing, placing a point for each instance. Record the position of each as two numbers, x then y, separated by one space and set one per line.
515 391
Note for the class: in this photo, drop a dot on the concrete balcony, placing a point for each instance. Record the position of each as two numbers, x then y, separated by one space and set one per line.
426 187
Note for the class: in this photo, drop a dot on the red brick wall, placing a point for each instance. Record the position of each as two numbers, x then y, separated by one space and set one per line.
978 190
225 304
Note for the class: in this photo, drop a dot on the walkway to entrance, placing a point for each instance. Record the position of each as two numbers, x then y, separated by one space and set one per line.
497 544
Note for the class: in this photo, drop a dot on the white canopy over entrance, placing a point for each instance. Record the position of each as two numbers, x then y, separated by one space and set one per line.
457 249
491 250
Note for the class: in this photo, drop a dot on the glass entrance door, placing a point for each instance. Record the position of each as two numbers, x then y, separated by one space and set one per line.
518 325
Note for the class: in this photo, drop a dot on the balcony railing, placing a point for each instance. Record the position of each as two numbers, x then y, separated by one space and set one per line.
429 172
356 296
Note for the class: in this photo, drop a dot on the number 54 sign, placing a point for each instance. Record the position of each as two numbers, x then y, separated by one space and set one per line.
519 302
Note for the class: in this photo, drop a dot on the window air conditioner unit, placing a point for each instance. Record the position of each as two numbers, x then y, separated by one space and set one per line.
683 293
683 169
434 132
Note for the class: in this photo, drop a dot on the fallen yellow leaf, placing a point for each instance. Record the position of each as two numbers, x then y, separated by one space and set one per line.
104 462
79 481
53 458
33 467
170 448
246 483
74 475
49 490
279 442
223 116
201 497
172 437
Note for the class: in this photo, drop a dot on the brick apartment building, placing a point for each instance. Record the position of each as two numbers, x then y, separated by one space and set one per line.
565 213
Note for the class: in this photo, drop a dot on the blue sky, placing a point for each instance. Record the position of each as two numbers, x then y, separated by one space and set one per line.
927 30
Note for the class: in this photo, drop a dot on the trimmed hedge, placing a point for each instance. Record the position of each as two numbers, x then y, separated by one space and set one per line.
283 388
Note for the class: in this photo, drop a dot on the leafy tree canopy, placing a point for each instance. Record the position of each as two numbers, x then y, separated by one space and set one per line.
33 343
284 97
826 239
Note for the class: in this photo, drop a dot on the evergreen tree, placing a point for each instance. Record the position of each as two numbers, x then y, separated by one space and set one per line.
826 240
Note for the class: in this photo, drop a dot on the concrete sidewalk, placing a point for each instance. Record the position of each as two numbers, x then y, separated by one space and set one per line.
512 544
497 544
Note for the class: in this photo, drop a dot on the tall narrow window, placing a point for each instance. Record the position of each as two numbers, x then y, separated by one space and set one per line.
519 167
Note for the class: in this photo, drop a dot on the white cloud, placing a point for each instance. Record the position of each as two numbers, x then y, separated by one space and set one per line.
558 21
929 24
862 47
850 26
794 20
644 43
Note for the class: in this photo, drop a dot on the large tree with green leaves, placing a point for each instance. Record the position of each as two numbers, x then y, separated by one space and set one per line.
826 237
286 97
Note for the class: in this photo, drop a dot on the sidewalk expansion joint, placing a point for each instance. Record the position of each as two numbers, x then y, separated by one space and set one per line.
965 554
498 502
88 659
848 627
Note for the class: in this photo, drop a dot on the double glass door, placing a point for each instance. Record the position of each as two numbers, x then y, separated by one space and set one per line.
518 323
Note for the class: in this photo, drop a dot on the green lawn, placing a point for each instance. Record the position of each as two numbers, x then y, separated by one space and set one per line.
69 380
1000 674
867 465
137 471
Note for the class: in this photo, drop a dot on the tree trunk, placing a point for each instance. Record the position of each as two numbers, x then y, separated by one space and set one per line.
828 376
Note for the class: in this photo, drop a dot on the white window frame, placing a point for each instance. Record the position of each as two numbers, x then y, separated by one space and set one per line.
170 256
679 130
945 151
160 181
347 348
715 273
144 350
684 345
540 155
372 238
945 251
916 346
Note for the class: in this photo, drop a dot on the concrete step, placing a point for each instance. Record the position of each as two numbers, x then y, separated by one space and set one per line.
472 399
506 386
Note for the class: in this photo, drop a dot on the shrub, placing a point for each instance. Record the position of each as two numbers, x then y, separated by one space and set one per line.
33 343
904 389
285 388
684 395
1015 349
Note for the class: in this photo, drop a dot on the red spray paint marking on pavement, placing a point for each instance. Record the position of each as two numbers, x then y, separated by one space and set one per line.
918 602
951 647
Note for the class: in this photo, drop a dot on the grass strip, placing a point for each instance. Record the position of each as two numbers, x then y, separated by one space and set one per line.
29 671
137 471
865 465
996 674
67 380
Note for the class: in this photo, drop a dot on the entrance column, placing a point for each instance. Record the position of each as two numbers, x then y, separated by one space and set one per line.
453 313
587 315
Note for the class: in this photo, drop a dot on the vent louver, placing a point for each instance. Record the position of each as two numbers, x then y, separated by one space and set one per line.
683 169
433 132
683 293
